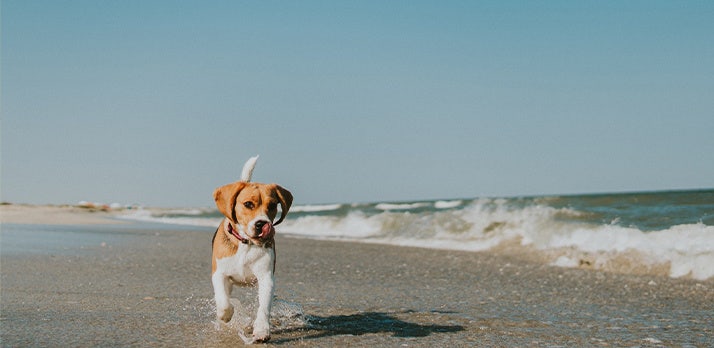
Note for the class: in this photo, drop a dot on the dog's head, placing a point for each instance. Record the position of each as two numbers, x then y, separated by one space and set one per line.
251 208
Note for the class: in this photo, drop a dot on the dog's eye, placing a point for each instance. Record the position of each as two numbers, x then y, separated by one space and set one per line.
249 205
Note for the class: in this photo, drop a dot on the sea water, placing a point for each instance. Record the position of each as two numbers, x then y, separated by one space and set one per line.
672 230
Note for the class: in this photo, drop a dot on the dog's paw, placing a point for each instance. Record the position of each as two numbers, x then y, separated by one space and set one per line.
261 338
254 338
225 314
261 332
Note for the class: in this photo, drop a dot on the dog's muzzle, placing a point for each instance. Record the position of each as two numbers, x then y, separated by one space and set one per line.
264 229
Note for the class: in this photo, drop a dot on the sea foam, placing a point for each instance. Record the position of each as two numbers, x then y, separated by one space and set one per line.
315 208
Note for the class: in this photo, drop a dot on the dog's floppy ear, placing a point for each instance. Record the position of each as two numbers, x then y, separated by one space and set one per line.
225 197
286 200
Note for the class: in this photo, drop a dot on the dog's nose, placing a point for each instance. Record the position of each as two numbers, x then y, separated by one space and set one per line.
259 225
263 228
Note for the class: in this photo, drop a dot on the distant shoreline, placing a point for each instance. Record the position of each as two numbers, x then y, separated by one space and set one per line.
58 214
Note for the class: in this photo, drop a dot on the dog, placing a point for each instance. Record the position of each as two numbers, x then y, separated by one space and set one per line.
244 244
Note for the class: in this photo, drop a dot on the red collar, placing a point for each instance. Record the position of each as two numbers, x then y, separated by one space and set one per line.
266 242
234 233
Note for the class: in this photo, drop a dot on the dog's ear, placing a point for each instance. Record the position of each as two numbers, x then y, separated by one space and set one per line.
225 197
286 200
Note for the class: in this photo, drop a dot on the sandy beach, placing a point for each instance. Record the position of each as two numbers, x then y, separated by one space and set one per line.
149 285
56 215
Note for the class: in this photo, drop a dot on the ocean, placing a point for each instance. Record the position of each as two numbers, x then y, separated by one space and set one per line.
651 232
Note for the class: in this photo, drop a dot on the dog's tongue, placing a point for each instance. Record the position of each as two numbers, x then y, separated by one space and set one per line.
266 230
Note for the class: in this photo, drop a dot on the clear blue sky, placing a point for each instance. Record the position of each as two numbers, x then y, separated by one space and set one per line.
159 102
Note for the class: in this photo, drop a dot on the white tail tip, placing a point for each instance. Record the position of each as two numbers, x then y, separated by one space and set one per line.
248 167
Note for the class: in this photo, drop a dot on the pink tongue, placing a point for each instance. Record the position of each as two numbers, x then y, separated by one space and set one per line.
267 228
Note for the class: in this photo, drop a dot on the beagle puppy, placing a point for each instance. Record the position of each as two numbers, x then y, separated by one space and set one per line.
244 244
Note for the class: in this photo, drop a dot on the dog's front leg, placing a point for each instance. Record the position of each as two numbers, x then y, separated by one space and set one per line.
261 327
222 291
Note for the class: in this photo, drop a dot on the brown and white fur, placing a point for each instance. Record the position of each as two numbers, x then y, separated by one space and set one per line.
244 244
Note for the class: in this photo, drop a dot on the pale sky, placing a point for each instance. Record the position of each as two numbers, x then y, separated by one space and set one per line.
159 102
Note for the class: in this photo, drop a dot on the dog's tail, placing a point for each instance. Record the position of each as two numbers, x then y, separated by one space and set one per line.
248 167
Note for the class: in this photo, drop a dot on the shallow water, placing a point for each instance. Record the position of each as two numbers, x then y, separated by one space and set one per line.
19 239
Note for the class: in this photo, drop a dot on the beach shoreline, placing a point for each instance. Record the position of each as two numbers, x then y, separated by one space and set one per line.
151 286
28 214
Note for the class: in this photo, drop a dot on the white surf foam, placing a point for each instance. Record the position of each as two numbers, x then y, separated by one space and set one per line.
447 204
354 226
192 217
315 208
689 249
402 206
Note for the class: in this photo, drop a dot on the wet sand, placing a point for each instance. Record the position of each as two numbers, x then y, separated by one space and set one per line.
141 285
